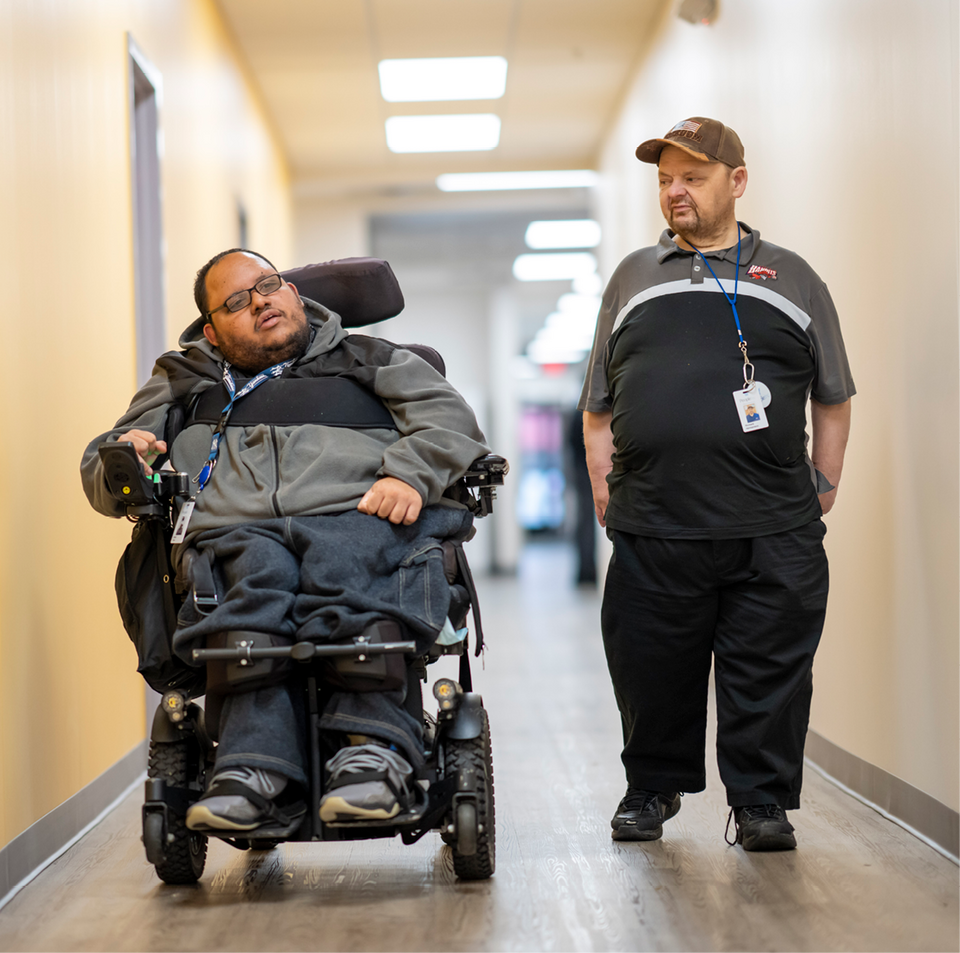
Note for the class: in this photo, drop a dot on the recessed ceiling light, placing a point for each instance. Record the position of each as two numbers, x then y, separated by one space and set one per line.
473 132
495 181
443 78
560 267
571 233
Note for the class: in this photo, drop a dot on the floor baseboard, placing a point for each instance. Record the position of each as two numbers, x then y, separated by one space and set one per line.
44 841
917 811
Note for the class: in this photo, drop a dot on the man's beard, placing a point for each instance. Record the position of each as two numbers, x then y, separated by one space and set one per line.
254 358
698 230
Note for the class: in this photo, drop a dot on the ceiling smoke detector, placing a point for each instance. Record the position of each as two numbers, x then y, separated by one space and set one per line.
698 11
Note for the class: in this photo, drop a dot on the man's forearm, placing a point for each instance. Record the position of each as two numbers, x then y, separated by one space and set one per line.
598 441
831 430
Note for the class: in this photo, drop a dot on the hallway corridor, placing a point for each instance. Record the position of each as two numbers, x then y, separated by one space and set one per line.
857 881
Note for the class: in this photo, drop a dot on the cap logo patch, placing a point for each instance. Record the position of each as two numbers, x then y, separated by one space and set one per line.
758 273
685 130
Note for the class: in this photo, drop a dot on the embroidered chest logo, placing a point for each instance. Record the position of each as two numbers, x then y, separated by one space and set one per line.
758 273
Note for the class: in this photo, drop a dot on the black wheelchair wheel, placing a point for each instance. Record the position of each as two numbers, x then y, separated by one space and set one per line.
183 853
473 838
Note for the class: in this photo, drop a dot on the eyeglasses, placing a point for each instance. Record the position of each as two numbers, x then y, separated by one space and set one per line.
240 299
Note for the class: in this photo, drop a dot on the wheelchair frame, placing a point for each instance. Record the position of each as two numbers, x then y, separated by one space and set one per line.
457 796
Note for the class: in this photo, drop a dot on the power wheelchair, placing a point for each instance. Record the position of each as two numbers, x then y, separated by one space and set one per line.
455 791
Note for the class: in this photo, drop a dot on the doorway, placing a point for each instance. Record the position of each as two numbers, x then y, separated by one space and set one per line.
145 91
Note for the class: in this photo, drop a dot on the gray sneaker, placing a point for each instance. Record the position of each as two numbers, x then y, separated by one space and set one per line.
368 782
239 799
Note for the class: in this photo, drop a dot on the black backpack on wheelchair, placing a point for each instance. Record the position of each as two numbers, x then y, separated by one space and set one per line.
456 784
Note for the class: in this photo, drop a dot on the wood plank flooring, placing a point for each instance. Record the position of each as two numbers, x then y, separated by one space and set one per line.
857 882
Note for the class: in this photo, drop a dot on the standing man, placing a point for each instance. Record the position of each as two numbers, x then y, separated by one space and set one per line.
708 347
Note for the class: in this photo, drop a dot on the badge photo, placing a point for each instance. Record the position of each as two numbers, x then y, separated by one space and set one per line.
750 409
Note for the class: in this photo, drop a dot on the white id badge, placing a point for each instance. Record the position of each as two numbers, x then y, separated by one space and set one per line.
750 409
183 520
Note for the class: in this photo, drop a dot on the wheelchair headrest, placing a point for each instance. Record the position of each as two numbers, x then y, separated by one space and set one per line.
361 290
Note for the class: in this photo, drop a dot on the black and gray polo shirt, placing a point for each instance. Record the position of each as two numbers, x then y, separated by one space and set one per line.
666 361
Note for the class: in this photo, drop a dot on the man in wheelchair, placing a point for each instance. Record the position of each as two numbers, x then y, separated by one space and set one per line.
318 524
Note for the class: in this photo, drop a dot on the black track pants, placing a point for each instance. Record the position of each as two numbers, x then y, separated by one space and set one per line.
757 605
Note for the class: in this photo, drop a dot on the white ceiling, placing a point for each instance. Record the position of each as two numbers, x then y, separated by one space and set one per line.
315 63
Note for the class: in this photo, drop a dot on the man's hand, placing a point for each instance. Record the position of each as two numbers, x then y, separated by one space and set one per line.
598 442
147 446
392 499
831 428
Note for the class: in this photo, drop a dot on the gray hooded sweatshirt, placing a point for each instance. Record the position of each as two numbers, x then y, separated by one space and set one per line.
265 471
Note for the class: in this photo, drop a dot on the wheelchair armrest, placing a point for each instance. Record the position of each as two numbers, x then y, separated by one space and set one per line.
488 470
484 475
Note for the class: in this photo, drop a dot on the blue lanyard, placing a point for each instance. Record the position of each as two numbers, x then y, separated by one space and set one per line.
733 305
204 476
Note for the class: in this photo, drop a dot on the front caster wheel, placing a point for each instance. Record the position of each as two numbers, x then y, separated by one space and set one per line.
473 839
467 834
180 856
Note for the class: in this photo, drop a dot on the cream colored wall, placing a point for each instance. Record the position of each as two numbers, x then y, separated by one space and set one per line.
848 114
326 228
71 703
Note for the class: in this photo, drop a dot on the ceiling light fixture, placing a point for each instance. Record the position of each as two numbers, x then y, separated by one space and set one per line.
442 79
496 181
473 132
560 267
570 233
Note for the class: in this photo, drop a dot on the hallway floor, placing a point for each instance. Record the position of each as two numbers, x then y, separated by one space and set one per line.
857 881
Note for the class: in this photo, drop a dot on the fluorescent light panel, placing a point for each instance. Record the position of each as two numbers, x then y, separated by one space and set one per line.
497 181
570 233
472 132
560 267
442 79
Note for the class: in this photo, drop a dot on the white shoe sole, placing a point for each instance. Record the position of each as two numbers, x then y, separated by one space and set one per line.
338 809
200 818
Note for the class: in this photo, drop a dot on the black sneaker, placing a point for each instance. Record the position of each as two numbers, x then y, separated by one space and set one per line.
641 814
761 827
